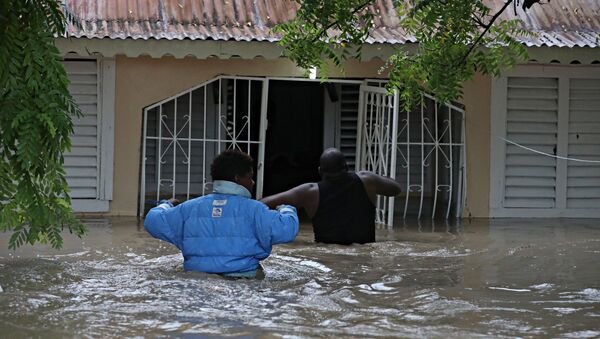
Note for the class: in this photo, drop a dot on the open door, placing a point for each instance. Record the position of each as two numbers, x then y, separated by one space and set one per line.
377 141
182 135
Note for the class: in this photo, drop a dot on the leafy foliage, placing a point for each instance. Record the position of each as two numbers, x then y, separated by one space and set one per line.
333 29
35 124
456 38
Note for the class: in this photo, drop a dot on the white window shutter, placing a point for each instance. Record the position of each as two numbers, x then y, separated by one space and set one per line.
531 120
583 179
554 111
82 162
348 122
89 164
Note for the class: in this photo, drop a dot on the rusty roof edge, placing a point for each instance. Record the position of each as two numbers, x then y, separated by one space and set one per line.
564 24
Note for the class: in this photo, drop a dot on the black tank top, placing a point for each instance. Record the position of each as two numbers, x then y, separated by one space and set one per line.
345 214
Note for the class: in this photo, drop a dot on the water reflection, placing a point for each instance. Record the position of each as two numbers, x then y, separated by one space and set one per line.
481 278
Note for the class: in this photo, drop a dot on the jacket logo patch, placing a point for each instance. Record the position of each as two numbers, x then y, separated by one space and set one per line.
219 202
217 212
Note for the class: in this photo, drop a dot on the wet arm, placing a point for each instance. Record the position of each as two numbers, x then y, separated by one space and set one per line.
383 185
165 222
278 227
295 197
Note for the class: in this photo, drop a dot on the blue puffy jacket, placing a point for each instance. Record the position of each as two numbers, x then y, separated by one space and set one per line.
222 233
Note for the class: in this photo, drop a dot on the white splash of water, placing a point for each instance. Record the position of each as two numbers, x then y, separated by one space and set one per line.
315 265
545 286
381 287
510 289
582 334
591 294
76 254
303 262
562 310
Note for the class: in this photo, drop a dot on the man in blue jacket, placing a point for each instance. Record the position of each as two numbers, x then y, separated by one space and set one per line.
226 232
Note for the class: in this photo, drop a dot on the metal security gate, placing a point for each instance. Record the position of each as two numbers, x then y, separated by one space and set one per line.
183 134
423 150
376 141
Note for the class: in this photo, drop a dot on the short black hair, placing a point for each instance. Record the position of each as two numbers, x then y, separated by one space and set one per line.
332 161
230 163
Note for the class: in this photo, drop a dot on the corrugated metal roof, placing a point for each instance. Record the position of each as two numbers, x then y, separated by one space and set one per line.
240 20
561 23
558 23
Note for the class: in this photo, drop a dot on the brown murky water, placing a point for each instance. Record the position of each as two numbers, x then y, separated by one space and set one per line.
479 279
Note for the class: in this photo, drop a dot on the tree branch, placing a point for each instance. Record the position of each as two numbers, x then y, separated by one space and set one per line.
487 28
354 11
478 21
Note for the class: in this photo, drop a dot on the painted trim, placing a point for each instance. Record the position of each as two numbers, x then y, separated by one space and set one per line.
270 50
89 205
329 80
263 137
498 147
544 213
564 55
142 179
562 142
331 119
108 78
202 49
554 70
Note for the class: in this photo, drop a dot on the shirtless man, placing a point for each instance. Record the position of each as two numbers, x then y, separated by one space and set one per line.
342 205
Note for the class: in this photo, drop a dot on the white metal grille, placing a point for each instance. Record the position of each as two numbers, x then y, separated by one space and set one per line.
183 134
426 155
431 159
377 116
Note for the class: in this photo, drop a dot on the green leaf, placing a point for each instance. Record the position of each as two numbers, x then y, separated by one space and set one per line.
35 123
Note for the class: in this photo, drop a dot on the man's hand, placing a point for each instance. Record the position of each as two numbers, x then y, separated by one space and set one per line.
173 202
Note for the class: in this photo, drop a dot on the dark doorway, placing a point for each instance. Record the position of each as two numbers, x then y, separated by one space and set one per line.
294 139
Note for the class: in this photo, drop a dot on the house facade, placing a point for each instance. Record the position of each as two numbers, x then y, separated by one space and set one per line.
166 85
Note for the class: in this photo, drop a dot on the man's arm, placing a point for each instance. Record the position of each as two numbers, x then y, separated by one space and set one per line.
165 222
379 185
296 196
277 227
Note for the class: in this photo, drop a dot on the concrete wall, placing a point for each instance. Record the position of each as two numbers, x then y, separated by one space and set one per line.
143 81
477 101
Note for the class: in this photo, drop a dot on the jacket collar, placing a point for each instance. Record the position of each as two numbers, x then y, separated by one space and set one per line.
229 187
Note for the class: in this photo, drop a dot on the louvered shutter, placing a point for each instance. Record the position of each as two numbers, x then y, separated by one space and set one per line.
532 121
583 179
347 124
82 162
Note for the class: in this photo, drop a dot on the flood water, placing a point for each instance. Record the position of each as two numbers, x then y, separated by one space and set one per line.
482 278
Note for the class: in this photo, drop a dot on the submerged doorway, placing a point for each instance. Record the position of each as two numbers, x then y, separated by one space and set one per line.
294 139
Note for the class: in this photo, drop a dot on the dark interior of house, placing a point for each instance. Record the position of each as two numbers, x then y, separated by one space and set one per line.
294 139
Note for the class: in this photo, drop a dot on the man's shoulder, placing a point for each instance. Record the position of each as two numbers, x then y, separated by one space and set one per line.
366 175
307 192
308 186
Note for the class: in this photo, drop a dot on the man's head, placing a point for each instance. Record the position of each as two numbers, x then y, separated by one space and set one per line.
332 163
235 166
